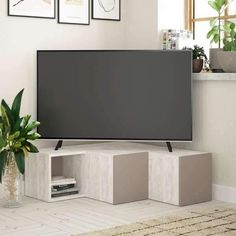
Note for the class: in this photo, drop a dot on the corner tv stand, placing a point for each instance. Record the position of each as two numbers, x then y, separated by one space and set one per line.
122 172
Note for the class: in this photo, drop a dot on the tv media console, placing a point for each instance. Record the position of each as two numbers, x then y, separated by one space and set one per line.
122 172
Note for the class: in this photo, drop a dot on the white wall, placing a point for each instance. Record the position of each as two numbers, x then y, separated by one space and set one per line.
214 129
20 37
147 19
170 16
141 30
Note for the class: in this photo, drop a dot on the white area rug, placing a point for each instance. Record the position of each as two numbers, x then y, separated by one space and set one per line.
217 221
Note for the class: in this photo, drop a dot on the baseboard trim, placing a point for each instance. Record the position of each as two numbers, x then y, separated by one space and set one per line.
224 193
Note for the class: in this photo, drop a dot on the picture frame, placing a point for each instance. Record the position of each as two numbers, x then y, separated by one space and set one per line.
34 9
106 10
75 12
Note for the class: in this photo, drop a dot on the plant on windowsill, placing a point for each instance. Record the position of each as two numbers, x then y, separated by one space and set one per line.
230 38
228 55
216 24
216 31
199 58
15 135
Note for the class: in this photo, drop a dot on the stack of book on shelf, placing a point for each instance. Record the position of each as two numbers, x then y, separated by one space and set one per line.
62 186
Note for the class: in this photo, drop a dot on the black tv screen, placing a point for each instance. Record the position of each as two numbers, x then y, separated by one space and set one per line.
114 95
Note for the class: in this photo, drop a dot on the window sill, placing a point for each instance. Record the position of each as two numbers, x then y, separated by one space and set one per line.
214 76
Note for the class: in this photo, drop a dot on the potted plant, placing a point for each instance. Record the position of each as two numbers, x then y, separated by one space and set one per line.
199 58
16 132
228 55
215 32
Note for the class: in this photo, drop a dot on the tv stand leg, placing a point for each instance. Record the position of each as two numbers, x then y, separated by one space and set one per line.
169 146
59 145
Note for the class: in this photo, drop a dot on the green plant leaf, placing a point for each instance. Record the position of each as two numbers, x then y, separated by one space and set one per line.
33 136
17 125
3 141
21 139
20 161
213 22
14 136
16 105
232 26
5 120
211 33
3 161
32 126
17 145
31 148
227 25
232 33
1 123
216 38
26 120
198 52
227 45
8 112
214 5
220 3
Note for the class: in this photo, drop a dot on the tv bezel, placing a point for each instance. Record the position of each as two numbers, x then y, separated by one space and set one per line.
115 139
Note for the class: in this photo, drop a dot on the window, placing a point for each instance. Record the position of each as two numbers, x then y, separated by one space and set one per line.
198 15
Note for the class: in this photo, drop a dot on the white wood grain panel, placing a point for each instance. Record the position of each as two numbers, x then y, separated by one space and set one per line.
164 178
99 177
38 176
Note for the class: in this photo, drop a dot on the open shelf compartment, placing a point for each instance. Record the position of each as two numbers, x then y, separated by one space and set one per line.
63 166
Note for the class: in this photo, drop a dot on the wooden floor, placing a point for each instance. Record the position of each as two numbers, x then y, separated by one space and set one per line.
77 216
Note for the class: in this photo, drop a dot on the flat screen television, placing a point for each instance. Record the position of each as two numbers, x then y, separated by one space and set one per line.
115 95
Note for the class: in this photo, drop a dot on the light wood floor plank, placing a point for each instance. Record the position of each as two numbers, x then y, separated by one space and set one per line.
66 218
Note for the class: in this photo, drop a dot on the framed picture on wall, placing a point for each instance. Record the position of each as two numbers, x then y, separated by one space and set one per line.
29 8
74 12
106 9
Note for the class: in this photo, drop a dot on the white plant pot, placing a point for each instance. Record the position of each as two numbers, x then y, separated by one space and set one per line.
227 61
